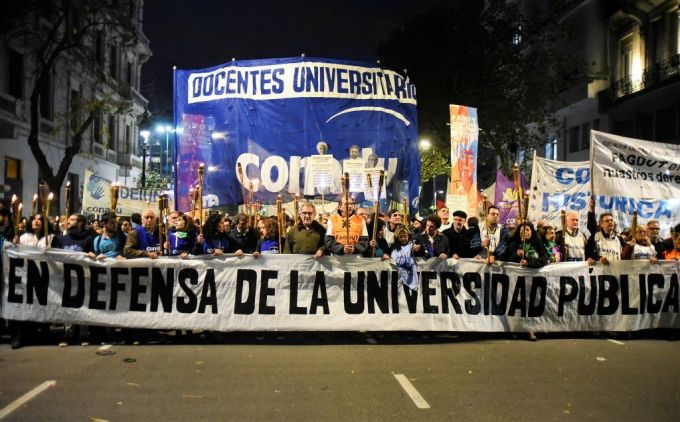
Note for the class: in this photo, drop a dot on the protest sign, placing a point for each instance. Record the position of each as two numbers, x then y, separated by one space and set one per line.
298 292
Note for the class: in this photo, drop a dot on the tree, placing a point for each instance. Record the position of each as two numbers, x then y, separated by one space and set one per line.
492 55
53 34
433 164
154 180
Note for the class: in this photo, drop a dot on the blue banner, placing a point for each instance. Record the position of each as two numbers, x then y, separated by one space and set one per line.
272 115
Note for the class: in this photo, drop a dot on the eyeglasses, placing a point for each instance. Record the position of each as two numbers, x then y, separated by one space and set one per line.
306 213
148 217
654 228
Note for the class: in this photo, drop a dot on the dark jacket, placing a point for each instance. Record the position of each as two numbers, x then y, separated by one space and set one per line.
246 241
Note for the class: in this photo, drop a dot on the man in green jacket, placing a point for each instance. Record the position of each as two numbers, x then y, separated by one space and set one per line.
308 236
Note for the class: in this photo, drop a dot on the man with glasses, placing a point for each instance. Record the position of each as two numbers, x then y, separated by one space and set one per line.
308 236
654 234
604 246
463 242
143 241
494 236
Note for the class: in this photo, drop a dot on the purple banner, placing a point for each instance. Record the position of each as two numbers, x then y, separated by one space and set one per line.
506 197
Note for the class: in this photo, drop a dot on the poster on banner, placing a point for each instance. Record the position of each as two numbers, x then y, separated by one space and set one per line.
560 185
644 169
97 197
323 175
299 292
505 198
356 169
464 142
269 115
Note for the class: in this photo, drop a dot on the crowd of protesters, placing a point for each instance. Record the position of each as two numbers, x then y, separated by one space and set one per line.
386 236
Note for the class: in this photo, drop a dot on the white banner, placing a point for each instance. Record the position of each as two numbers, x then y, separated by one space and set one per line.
561 185
97 197
298 292
643 169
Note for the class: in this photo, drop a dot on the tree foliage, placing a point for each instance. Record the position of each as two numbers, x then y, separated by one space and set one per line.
154 181
433 163
493 55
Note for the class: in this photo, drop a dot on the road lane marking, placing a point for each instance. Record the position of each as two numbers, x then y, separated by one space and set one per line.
411 391
620 343
25 398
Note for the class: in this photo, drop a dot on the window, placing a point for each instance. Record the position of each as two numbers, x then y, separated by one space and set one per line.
97 128
113 61
99 48
585 136
128 132
574 140
112 133
75 110
14 174
551 148
13 169
15 75
626 57
46 98
128 73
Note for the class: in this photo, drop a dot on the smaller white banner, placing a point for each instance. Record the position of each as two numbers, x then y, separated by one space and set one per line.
643 169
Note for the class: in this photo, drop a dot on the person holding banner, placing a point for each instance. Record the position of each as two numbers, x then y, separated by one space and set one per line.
574 241
35 234
346 234
181 237
269 238
78 237
144 241
393 223
463 242
494 235
378 248
434 244
308 236
653 231
110 243
242 238
215 240
526 248
402 254
674 254
640 248
604 246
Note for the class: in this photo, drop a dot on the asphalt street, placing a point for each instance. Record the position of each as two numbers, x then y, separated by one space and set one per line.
347 376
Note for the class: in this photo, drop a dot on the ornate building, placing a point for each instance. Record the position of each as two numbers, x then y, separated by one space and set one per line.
93 84
631 52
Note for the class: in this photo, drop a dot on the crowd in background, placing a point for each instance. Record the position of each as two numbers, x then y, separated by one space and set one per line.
350 230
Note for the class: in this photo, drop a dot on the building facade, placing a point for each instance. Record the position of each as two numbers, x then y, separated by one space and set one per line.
631 53
104 69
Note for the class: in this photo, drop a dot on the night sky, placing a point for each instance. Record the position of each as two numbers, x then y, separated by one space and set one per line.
196 34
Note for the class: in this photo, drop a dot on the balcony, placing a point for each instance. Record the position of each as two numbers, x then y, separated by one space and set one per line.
129 160
652 76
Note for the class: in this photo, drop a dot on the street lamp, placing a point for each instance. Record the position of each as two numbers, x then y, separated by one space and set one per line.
145 134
